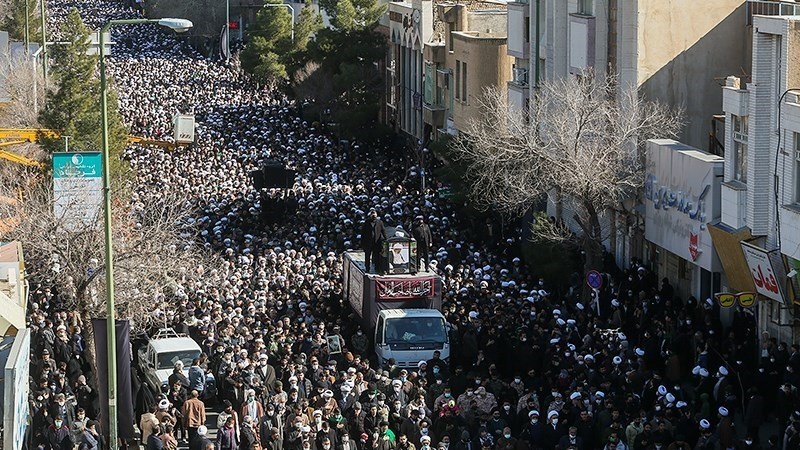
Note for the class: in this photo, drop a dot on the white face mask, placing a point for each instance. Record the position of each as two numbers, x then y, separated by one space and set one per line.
555 420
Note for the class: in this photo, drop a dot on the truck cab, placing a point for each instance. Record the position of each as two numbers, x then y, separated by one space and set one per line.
410 336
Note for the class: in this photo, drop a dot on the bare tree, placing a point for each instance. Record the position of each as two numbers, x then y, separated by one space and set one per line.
24 87
153 250
580 145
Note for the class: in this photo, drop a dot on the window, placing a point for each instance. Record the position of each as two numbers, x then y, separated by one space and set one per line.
797 167
458 80
585 7
450 44
379 331
527 30
464 81
740 148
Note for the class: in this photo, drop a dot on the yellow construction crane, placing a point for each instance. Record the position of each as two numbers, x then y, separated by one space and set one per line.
14 136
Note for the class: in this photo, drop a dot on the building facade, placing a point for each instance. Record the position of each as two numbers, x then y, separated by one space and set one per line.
682 195
410 26
759 228
468 56
673 52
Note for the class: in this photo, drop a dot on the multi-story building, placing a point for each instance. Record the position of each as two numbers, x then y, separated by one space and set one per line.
759 231
441 56
672 51
410 26
468 56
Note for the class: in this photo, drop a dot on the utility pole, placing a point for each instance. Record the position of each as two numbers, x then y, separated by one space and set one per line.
228 30
44 43
27 28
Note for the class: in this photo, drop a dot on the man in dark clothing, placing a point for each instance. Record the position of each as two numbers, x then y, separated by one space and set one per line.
154 441
373 234
226 436
199 441
422 233
58 435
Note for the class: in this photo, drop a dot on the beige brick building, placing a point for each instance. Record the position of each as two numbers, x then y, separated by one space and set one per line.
469 56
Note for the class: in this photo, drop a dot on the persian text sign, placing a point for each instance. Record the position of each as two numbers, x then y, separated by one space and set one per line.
681 190
404 288
762 272
77 189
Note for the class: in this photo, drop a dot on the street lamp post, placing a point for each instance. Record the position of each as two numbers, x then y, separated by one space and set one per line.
27 28
228 30
282 5
179 25
44 42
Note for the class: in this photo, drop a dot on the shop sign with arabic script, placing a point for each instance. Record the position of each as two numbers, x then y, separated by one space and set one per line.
404 288
762 272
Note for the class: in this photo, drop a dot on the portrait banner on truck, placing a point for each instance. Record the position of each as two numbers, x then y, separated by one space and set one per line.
405 288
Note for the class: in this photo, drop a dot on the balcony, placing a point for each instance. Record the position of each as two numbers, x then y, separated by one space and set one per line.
434 53
433 115
771 8
520 76
519 30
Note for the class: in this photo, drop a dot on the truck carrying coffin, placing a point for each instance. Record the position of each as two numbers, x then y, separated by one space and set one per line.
401 312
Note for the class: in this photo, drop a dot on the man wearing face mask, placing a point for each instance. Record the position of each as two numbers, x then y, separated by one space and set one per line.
251 407
270 421
359 342
506 441
437 366
58 435
552 431
571 440
63 409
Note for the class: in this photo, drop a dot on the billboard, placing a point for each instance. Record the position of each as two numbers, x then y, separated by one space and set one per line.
15 392
77 189
764 275
682 195
184 128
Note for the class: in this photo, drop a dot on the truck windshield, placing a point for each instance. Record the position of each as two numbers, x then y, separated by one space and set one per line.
167 360
415 329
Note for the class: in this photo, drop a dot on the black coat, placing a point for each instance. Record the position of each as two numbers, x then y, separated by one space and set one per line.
372 233
248 438
422 233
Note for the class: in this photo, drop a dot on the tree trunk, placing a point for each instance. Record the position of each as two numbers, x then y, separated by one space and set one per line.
592 246
91 351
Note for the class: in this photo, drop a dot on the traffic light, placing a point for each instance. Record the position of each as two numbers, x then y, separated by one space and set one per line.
233 25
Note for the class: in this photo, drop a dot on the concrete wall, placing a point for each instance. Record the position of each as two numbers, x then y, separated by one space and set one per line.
684 51
488 64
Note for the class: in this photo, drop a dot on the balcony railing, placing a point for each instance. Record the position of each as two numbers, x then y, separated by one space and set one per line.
771 8
520 76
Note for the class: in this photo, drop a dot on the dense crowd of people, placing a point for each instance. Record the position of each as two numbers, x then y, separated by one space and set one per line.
531 367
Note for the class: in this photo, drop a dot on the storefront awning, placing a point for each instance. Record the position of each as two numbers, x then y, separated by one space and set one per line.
727 243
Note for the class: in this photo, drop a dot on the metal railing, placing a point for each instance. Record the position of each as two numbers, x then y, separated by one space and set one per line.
771 8
520 76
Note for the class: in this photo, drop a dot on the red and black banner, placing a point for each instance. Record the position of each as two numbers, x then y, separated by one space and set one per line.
404 288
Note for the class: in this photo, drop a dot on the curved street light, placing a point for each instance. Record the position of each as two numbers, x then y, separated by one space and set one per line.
180 26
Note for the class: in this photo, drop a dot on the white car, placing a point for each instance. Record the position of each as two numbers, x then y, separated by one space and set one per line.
157 359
